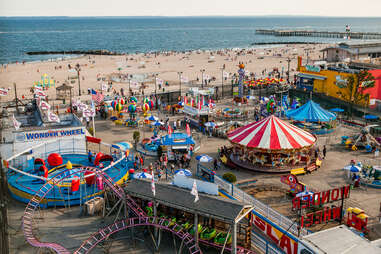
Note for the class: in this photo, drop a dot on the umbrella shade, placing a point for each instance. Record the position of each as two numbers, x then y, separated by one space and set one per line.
204 158
355 169
250 97
181 103
370 117
143 175
157 123
152 118
337 110
210 124
226 109
184 172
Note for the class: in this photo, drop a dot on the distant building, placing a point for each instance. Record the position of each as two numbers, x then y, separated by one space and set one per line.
352 50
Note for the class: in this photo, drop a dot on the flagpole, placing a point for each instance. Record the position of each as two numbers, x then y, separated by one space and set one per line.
92 103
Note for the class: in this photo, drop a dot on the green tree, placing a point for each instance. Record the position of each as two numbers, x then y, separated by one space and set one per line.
136 137
354 91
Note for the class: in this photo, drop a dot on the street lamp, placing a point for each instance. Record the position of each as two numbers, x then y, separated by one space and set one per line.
180 75
156 89
288 70
222 84
78 69
202 77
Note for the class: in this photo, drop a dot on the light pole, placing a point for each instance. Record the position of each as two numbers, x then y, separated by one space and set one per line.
180 75
78 69
202 77
288 70
156 90
222 84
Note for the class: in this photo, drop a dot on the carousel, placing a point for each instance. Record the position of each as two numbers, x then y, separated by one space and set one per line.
271 145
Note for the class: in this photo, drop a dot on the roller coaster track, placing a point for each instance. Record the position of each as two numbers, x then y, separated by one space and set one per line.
102 234
161 223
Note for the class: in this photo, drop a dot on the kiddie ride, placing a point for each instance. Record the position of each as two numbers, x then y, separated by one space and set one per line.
357 219
73 190
363 139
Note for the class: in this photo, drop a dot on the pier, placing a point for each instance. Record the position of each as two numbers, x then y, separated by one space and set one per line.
326 34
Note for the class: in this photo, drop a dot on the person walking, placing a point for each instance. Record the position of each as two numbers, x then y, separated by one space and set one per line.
215 165
324 151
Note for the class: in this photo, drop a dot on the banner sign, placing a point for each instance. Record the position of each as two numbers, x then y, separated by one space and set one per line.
44 135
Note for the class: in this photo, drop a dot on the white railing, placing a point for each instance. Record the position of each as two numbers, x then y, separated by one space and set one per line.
265 210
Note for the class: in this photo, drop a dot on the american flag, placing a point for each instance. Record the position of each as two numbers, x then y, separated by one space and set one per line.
96 96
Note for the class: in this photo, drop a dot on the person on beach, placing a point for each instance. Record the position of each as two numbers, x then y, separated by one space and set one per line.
324 151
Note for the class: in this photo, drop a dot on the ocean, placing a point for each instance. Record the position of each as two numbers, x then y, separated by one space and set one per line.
143 34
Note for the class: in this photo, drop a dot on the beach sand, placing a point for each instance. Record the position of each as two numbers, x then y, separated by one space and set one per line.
166 66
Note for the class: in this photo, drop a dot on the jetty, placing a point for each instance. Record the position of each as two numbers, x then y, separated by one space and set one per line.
327 34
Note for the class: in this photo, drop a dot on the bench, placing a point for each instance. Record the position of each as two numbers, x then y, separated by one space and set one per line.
298 171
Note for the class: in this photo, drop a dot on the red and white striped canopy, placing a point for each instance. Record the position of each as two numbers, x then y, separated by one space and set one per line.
271 133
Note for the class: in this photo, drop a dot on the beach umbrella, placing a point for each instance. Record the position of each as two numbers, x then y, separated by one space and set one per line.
226 109
355 169
152 118
143 175
250 97
121 101
210 124
133 99
183 172
337 110
145 107
370 117
131 108
204 158
157 123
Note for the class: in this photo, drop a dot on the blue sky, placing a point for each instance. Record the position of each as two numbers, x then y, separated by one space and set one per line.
363 8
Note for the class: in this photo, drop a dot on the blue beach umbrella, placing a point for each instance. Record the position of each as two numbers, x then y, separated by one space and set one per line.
355 169
204 158
142 175
124 145
337 110
157 123
152 118
183 172
370 117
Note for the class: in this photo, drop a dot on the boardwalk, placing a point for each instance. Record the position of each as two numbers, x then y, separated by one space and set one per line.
327 34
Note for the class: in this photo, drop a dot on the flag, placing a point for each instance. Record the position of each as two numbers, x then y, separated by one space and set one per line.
3 91
185 100
39 93
170 131
16 123
53 117
194 191
199 105
104 87
96 96
153 185
226 74
81 107
44 105
188 130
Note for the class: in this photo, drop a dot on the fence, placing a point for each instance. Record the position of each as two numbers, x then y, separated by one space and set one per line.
282 221
263 245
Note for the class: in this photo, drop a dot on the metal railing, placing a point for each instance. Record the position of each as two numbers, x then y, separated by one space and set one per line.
265 210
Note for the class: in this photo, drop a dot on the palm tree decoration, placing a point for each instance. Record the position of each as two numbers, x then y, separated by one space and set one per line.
354 91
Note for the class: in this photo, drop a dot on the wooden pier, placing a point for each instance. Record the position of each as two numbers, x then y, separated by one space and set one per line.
327 34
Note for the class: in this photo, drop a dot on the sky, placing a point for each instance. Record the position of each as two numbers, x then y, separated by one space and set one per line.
347 8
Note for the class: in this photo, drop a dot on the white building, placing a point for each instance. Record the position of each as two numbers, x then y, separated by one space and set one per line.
352 50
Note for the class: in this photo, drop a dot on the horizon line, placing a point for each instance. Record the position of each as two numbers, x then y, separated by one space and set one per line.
184 16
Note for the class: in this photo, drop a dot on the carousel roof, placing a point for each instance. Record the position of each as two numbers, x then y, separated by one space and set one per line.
271 133
311 112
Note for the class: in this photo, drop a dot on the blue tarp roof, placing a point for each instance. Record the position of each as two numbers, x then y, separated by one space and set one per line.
177 139
311 112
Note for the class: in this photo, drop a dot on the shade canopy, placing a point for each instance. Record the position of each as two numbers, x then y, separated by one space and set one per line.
311 112
271 133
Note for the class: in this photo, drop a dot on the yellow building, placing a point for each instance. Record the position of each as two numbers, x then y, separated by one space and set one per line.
329 82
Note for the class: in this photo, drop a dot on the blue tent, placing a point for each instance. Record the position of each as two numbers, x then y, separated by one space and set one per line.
311 112
177 139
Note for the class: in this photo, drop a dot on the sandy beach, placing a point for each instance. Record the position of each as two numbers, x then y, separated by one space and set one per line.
258 61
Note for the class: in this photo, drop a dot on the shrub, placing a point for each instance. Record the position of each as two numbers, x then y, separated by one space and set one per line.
136 136
230 177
